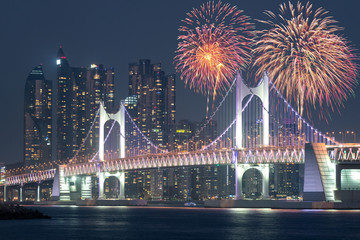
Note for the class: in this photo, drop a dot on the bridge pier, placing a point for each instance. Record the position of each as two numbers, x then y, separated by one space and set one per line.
64 189
64 185
242 168
338 177
120 176
101 185
38 192
86 187
20 193
262 91
5 197
319 174
103 118
70 188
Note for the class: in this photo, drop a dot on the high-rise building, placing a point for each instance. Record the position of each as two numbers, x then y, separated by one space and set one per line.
170 109
151 104
79 93
183 133
198 182
79 74
207 182
99 87
37 118
156 100
66 109
287 181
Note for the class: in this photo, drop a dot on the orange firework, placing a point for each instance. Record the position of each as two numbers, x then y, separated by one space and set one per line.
214 44
306 59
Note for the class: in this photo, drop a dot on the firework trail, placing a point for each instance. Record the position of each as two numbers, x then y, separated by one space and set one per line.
306 59
213 45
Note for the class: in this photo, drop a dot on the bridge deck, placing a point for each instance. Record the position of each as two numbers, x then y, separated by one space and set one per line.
222 156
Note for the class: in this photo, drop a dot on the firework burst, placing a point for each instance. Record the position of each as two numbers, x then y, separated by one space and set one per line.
214 44
306 59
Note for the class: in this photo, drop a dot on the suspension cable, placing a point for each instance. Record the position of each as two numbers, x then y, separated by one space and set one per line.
87 135
232 123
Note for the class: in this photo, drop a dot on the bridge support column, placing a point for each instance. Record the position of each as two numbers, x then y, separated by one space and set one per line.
5 197
338 177
262 91
120 118
265 170
121 177
242 168
64 189
20 193
101 185
38 195
86 186
319 174
64 185
61 186
239 172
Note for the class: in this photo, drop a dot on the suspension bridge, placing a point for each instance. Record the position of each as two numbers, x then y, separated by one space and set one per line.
257 127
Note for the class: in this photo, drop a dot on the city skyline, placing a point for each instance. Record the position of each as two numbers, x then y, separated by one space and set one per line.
193 119
84 53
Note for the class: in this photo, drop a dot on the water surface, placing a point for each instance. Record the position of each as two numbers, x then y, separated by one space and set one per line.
183 223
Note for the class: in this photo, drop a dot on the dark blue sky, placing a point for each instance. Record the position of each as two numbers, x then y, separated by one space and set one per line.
116 32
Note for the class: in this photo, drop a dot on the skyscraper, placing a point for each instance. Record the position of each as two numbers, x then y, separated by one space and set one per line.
79 74
156 100
99 87
154 113
170 109
66 109
37 118
79 93
287 183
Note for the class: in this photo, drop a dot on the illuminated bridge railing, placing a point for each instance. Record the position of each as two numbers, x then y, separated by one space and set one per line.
266 155
348 152
223 156
30 177
272 155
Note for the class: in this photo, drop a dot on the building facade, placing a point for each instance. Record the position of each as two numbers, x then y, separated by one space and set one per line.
99 87
66 110
79 92
156 106
37 118
151 104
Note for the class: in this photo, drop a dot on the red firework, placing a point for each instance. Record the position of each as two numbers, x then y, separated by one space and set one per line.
214 44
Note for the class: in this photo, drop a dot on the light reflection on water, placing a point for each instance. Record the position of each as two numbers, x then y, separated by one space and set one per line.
183 223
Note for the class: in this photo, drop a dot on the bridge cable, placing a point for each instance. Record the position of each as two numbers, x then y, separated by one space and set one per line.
232 123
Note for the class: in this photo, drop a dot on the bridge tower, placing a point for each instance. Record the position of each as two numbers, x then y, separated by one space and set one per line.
120 118
242 91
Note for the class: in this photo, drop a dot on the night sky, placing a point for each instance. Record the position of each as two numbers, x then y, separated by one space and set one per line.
116 33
